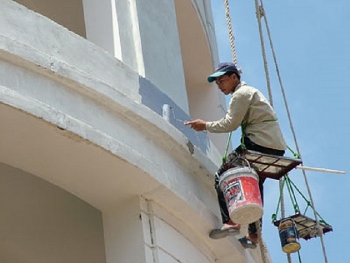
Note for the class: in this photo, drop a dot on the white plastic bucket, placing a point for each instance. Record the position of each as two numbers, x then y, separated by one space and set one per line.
242 195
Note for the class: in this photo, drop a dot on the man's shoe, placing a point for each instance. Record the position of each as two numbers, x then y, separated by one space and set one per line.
224 231
249 241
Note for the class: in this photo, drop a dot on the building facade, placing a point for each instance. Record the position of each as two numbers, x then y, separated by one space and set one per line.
95 162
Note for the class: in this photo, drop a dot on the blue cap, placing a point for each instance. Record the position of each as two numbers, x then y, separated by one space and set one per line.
222 69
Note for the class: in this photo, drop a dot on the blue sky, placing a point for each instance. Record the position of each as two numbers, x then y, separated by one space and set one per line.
311 39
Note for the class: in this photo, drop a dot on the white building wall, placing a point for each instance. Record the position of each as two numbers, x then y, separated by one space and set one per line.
77 117
166 240
124 232
129 35
101 23
41 222
161 48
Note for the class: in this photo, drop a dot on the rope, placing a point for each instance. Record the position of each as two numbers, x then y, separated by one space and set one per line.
292 195
299 257
227 146
291 186
309 204
260 10
281 183
234 59
263 249
260 13
230 32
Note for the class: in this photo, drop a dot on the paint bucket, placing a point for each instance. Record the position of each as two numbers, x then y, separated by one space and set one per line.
242 195
289 236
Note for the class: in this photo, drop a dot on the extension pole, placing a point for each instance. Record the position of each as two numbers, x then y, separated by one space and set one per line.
323 170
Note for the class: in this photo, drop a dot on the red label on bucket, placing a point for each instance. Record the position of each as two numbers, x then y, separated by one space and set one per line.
233 192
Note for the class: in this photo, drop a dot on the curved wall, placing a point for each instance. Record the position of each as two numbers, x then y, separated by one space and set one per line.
77 117
170 44
41 222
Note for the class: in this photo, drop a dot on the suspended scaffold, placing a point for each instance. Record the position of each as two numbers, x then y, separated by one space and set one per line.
306 227
278 167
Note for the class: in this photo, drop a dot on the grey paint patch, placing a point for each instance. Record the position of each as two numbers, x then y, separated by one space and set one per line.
154 99
190 147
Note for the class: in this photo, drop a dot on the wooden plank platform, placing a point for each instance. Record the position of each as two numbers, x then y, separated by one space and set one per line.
270 166
306 227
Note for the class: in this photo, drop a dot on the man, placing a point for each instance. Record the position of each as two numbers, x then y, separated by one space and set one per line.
249 109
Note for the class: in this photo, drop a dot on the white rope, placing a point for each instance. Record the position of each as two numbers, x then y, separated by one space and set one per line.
292 128
263 249
259 15
230 33
283 213
234 59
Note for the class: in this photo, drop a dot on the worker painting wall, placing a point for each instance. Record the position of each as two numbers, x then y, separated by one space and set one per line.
76 115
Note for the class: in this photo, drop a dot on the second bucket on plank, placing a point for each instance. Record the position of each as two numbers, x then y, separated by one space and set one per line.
242 195
289 236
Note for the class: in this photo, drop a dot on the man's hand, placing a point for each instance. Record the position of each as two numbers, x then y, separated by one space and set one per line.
197 125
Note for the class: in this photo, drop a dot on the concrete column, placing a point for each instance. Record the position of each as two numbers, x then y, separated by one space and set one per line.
123 232
130 35
102 25
161 49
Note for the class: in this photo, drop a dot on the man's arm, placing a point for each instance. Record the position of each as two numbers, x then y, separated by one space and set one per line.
236 111
197 125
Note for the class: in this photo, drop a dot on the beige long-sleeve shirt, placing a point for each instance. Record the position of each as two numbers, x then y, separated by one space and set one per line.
249 107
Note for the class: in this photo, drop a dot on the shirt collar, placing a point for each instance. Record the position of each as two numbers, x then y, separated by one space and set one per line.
242 83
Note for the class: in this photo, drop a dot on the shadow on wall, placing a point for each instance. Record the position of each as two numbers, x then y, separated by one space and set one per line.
155 99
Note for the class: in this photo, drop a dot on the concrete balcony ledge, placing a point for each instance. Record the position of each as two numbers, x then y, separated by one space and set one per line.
67 58
87 93
75 116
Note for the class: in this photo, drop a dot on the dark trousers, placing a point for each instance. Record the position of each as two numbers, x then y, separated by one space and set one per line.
223 207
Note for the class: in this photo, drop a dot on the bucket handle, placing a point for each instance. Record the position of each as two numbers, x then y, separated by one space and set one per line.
247 162
217 176
241 158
